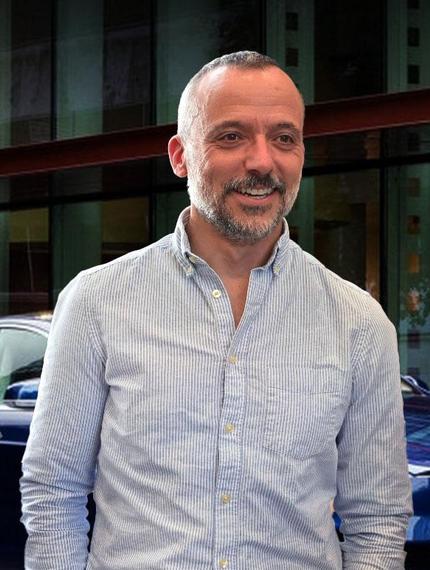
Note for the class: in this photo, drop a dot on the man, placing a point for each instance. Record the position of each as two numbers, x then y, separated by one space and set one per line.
219 390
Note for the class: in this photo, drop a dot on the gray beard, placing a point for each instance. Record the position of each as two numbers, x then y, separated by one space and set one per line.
241 232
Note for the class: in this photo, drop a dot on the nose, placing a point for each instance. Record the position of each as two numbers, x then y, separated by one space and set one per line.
259 159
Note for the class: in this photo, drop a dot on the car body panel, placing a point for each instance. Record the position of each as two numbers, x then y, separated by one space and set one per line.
16 410
417 418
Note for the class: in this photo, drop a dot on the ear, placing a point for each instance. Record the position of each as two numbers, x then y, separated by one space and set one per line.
177 156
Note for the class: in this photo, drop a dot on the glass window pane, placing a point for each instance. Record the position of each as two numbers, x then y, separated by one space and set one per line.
340 149
408 45
407 141
408 194
323 47
5 72
25 71
338 49
110 44
24 259
127 81
128 178
336 218
348 48
19 189
167 207
79 68
89 233
21 356
215 26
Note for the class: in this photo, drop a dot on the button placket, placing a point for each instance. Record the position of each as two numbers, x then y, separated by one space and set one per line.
229 448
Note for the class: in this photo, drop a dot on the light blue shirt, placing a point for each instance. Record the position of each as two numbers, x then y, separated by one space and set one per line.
211 447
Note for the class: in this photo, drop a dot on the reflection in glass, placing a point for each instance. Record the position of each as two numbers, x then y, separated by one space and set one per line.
24 259
167 207
25 71
86 234
31 71
408 195
79 68
190 34
323 47
127 80
408 28
290 39
133 177
34 188
407 141
21 357
414 222
5 72
344 213
329 150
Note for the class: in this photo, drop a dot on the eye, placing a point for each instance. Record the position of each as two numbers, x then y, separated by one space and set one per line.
230 137
285 139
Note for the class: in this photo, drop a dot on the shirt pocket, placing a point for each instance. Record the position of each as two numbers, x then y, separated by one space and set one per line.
304 415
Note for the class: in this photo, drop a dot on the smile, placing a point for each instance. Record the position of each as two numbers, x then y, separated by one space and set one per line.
256 192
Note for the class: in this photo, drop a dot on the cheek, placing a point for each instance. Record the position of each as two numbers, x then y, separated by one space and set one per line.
293 171
219 168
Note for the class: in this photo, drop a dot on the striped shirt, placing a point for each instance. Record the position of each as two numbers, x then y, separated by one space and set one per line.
209 446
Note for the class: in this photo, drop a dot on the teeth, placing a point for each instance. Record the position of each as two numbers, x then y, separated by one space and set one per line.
258 192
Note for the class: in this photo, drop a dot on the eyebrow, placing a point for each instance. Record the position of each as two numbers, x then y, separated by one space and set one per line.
225 125
290 127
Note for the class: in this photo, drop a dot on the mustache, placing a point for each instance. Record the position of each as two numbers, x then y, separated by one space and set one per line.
254 181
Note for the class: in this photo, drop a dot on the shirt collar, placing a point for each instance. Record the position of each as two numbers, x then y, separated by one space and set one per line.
182 248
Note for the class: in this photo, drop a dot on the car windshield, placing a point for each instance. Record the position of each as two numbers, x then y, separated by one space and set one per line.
21 356
412 386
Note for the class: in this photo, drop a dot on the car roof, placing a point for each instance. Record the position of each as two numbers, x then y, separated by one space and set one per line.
41 321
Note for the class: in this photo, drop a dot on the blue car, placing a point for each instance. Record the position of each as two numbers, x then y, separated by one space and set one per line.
416 398
22 346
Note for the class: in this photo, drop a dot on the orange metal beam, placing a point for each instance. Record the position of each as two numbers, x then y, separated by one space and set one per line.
368 113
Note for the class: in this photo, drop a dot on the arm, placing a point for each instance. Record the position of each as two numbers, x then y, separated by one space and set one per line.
59 462
373 490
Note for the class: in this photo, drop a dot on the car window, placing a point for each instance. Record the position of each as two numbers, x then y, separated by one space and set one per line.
21 356
406 389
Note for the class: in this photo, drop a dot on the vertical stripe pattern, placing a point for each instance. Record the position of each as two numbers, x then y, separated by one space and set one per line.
209 446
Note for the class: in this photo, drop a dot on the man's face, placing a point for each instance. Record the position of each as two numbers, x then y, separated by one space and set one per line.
245 154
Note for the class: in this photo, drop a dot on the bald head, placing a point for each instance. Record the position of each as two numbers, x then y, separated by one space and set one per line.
189 106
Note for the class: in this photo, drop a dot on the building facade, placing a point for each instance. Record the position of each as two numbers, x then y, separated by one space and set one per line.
88 97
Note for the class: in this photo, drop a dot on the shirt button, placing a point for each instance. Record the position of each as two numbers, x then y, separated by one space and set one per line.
223 563
229 428
225 499
192 259
232 359
216 293
277 269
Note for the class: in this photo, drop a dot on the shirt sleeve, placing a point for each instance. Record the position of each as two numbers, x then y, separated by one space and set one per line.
373 490
60 458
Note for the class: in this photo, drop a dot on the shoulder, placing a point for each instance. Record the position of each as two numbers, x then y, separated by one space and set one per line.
329 283
123 271
336 297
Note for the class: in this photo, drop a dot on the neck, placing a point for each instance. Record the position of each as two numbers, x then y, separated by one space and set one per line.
227 258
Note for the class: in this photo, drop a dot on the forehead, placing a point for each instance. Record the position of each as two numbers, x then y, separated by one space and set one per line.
235 93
